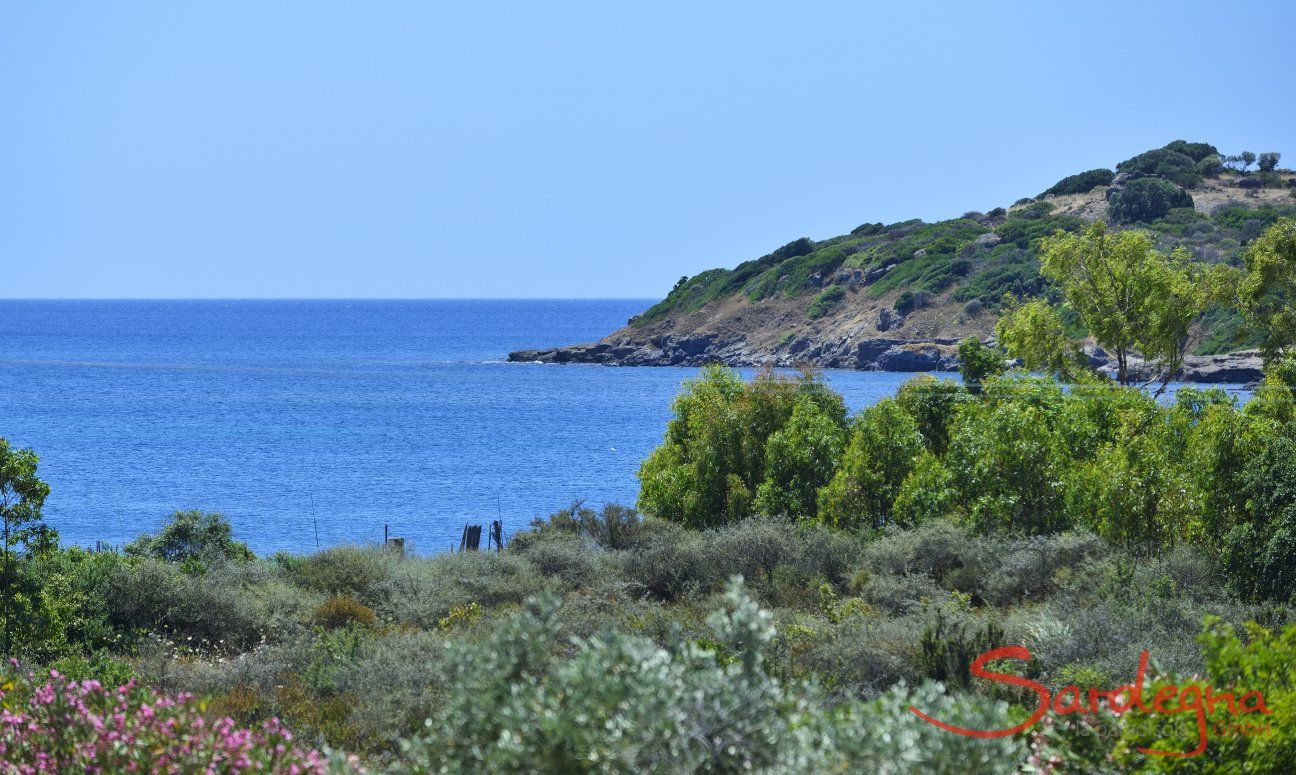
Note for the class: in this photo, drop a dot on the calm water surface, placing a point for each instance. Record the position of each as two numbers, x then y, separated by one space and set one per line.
317 422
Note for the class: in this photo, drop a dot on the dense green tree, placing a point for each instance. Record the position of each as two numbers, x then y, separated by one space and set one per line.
1081 183
713 460
800 458
931 403
1260 553
22 494
977 361
1133 299
1008 462
928 492
1194 151
1217 453
1269 161
884 444
192 537
1133 493
1268 288
1147 199
1034 332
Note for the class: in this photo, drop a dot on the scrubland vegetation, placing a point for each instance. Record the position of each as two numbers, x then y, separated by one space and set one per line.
943 524
791 582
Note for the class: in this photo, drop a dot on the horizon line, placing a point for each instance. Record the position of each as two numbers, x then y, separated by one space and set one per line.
329 298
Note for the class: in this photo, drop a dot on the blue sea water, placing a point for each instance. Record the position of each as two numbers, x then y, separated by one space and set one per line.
318 422
315 423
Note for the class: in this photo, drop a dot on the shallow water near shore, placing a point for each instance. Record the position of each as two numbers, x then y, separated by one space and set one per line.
315 423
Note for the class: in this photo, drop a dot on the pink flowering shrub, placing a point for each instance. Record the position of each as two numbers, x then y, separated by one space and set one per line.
67 726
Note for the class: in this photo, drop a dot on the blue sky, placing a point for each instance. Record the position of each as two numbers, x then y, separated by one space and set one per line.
319 149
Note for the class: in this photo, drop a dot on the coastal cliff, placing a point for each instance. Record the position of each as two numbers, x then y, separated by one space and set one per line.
898 297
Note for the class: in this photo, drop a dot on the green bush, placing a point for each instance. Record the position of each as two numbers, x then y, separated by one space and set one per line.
1147 199
1166 163
1081 183
1007 460
613 527
622 701
1210 166
800 458
884 444
192 536
949 646
218 611
347 570
977 361
1195 151
827 299
1264 662
339 612
1260 552
931 402
1023 232
712 464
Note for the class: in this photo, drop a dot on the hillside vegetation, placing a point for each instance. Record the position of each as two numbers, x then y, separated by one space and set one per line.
915 281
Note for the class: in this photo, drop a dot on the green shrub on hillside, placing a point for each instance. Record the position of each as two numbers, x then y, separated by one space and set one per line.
1022 232
827 299
1147 199
1081 183
1166 163
1011 271
1210 166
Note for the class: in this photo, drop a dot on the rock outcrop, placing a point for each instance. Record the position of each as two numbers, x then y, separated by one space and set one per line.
872 354
865 355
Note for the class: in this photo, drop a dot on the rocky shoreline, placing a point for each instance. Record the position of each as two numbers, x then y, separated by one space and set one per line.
876 354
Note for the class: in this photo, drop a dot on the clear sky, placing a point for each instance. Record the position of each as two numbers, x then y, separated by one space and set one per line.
483 149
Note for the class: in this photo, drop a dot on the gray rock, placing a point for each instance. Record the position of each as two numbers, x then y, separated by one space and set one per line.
873 275
911 358
1247 183
989 239
1097 356
847 277
1240 367
695 345
868 351
888 319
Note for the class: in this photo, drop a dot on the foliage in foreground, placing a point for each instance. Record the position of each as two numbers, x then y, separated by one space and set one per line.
56 725
622 703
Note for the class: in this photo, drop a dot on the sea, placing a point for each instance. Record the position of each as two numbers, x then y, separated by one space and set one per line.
314 423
